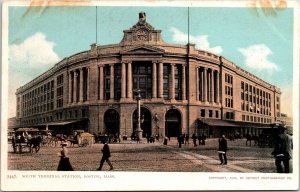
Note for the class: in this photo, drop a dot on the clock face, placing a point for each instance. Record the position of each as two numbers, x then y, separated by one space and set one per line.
142 35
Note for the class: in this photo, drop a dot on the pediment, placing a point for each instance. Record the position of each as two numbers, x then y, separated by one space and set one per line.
142 49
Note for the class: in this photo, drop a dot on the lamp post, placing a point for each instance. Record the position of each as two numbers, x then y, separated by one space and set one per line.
138 130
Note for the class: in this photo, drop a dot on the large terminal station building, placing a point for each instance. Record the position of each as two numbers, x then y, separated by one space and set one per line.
183 90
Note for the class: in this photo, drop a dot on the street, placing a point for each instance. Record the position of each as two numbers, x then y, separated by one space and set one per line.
147 157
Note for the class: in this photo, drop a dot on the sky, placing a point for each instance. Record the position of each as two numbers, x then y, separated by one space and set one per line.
257 42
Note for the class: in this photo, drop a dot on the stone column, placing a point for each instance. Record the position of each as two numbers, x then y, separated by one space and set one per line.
160 80
212 86
70 87
202 84
80 85
183 83
205 85
129 80
217 87
101 83
88 84
197 84
112 78
154 80
75 87
172 91
123 81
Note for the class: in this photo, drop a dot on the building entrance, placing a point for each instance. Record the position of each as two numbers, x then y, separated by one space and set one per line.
112 121
173 123
145 121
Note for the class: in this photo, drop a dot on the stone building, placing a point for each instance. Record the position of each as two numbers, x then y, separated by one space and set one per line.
183 90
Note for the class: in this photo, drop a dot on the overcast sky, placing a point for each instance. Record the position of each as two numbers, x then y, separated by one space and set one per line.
257 42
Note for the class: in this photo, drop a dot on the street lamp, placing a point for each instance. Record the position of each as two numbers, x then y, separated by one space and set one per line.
139 131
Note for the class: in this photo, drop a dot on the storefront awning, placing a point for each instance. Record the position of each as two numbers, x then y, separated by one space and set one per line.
218 123
63 122
255 125
225 123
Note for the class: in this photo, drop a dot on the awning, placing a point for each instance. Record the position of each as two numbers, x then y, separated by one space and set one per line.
62 122
225 123
255 125
218 123
27 129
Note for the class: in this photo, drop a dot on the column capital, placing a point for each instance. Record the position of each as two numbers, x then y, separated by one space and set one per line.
172 64
126 61
111 64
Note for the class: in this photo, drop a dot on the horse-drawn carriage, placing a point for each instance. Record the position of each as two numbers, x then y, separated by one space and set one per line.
26 138
267 136
82 139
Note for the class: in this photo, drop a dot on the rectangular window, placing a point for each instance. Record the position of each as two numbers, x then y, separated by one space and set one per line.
202 113
210 113
166 84
217 114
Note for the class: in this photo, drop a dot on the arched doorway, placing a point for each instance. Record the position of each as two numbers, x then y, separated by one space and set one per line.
173 123
145 121
111 121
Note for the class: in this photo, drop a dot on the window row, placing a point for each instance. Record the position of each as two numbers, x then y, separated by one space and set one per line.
252 89
40 90
256 109
211 113
256 119
254 99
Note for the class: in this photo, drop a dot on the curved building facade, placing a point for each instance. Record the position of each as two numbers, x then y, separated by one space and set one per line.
183 90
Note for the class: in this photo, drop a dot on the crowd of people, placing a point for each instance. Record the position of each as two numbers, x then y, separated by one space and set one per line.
283 145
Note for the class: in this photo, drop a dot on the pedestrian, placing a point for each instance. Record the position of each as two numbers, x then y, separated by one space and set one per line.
203 138
105 157
194 137
187 139
64 163
199 139
283 150
223 150
179 139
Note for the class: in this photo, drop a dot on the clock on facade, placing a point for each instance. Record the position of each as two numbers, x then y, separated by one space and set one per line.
142 35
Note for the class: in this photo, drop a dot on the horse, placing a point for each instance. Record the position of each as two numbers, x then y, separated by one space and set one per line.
35 142
249 138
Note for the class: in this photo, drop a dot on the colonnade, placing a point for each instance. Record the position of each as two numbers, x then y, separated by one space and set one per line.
207 79
127 84
208 85
78 85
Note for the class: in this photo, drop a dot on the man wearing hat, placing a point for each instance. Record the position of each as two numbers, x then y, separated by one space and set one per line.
105 157
283 150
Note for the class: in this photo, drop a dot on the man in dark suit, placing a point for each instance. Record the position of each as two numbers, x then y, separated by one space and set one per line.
283 150
105 157
222 150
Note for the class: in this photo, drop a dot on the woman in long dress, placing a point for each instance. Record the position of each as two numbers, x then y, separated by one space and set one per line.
64 163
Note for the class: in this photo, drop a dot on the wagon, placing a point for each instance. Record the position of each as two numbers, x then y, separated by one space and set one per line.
83 139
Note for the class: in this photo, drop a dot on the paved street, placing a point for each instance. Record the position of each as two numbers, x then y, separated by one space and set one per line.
130 156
